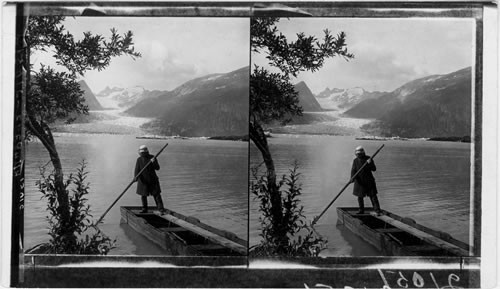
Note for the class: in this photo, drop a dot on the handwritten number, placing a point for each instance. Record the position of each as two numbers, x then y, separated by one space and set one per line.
401 279
453 277
386 284
418 281
434 280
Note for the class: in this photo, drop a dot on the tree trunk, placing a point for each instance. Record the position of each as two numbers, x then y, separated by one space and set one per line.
62 193
43 133
260 140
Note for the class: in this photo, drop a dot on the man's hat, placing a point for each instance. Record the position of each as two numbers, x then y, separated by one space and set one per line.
359 149
143 148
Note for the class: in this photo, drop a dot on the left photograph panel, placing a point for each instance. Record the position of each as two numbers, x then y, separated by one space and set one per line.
136 136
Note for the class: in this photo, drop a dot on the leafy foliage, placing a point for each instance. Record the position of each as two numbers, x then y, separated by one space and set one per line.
52 95
80 221
274 98
92 52
292 57
307 53
293 236
264 103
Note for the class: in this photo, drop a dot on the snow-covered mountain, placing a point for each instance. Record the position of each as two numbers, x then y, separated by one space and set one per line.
212 105
343 99
436 105
123 98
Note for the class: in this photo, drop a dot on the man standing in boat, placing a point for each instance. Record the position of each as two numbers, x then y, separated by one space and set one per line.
364 182
148 183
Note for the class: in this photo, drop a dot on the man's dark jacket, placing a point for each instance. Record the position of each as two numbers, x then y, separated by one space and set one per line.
147 183
364 183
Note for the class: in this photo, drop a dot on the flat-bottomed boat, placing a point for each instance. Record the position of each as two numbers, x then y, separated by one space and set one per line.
183 235
394 235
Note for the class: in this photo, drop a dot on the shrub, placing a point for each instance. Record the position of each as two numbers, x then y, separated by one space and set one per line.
84 237
292 235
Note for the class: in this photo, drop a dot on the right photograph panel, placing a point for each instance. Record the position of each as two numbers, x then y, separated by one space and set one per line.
362 137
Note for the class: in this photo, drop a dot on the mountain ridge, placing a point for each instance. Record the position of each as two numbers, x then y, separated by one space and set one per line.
306 98
124 98
211 105
344 99
431 106
90 98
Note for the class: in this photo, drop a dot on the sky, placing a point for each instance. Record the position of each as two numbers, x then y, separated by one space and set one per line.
388 52
174 50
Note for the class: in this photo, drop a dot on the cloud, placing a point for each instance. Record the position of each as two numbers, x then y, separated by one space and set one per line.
373 69
156 56
165 61
378 69
388 52
174 49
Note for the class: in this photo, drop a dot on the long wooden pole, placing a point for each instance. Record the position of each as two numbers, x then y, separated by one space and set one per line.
129 185
315 220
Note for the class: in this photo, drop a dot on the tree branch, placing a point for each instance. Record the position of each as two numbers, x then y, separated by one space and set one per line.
38 131
258 139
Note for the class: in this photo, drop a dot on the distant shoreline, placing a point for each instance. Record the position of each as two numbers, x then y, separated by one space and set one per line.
58 131
466 139
243 138
231 138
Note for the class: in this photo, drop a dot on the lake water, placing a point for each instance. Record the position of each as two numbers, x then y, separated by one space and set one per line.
202 178
427 181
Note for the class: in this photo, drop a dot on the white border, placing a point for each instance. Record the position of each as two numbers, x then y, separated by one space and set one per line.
8 36
490 142
490 156
490 146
